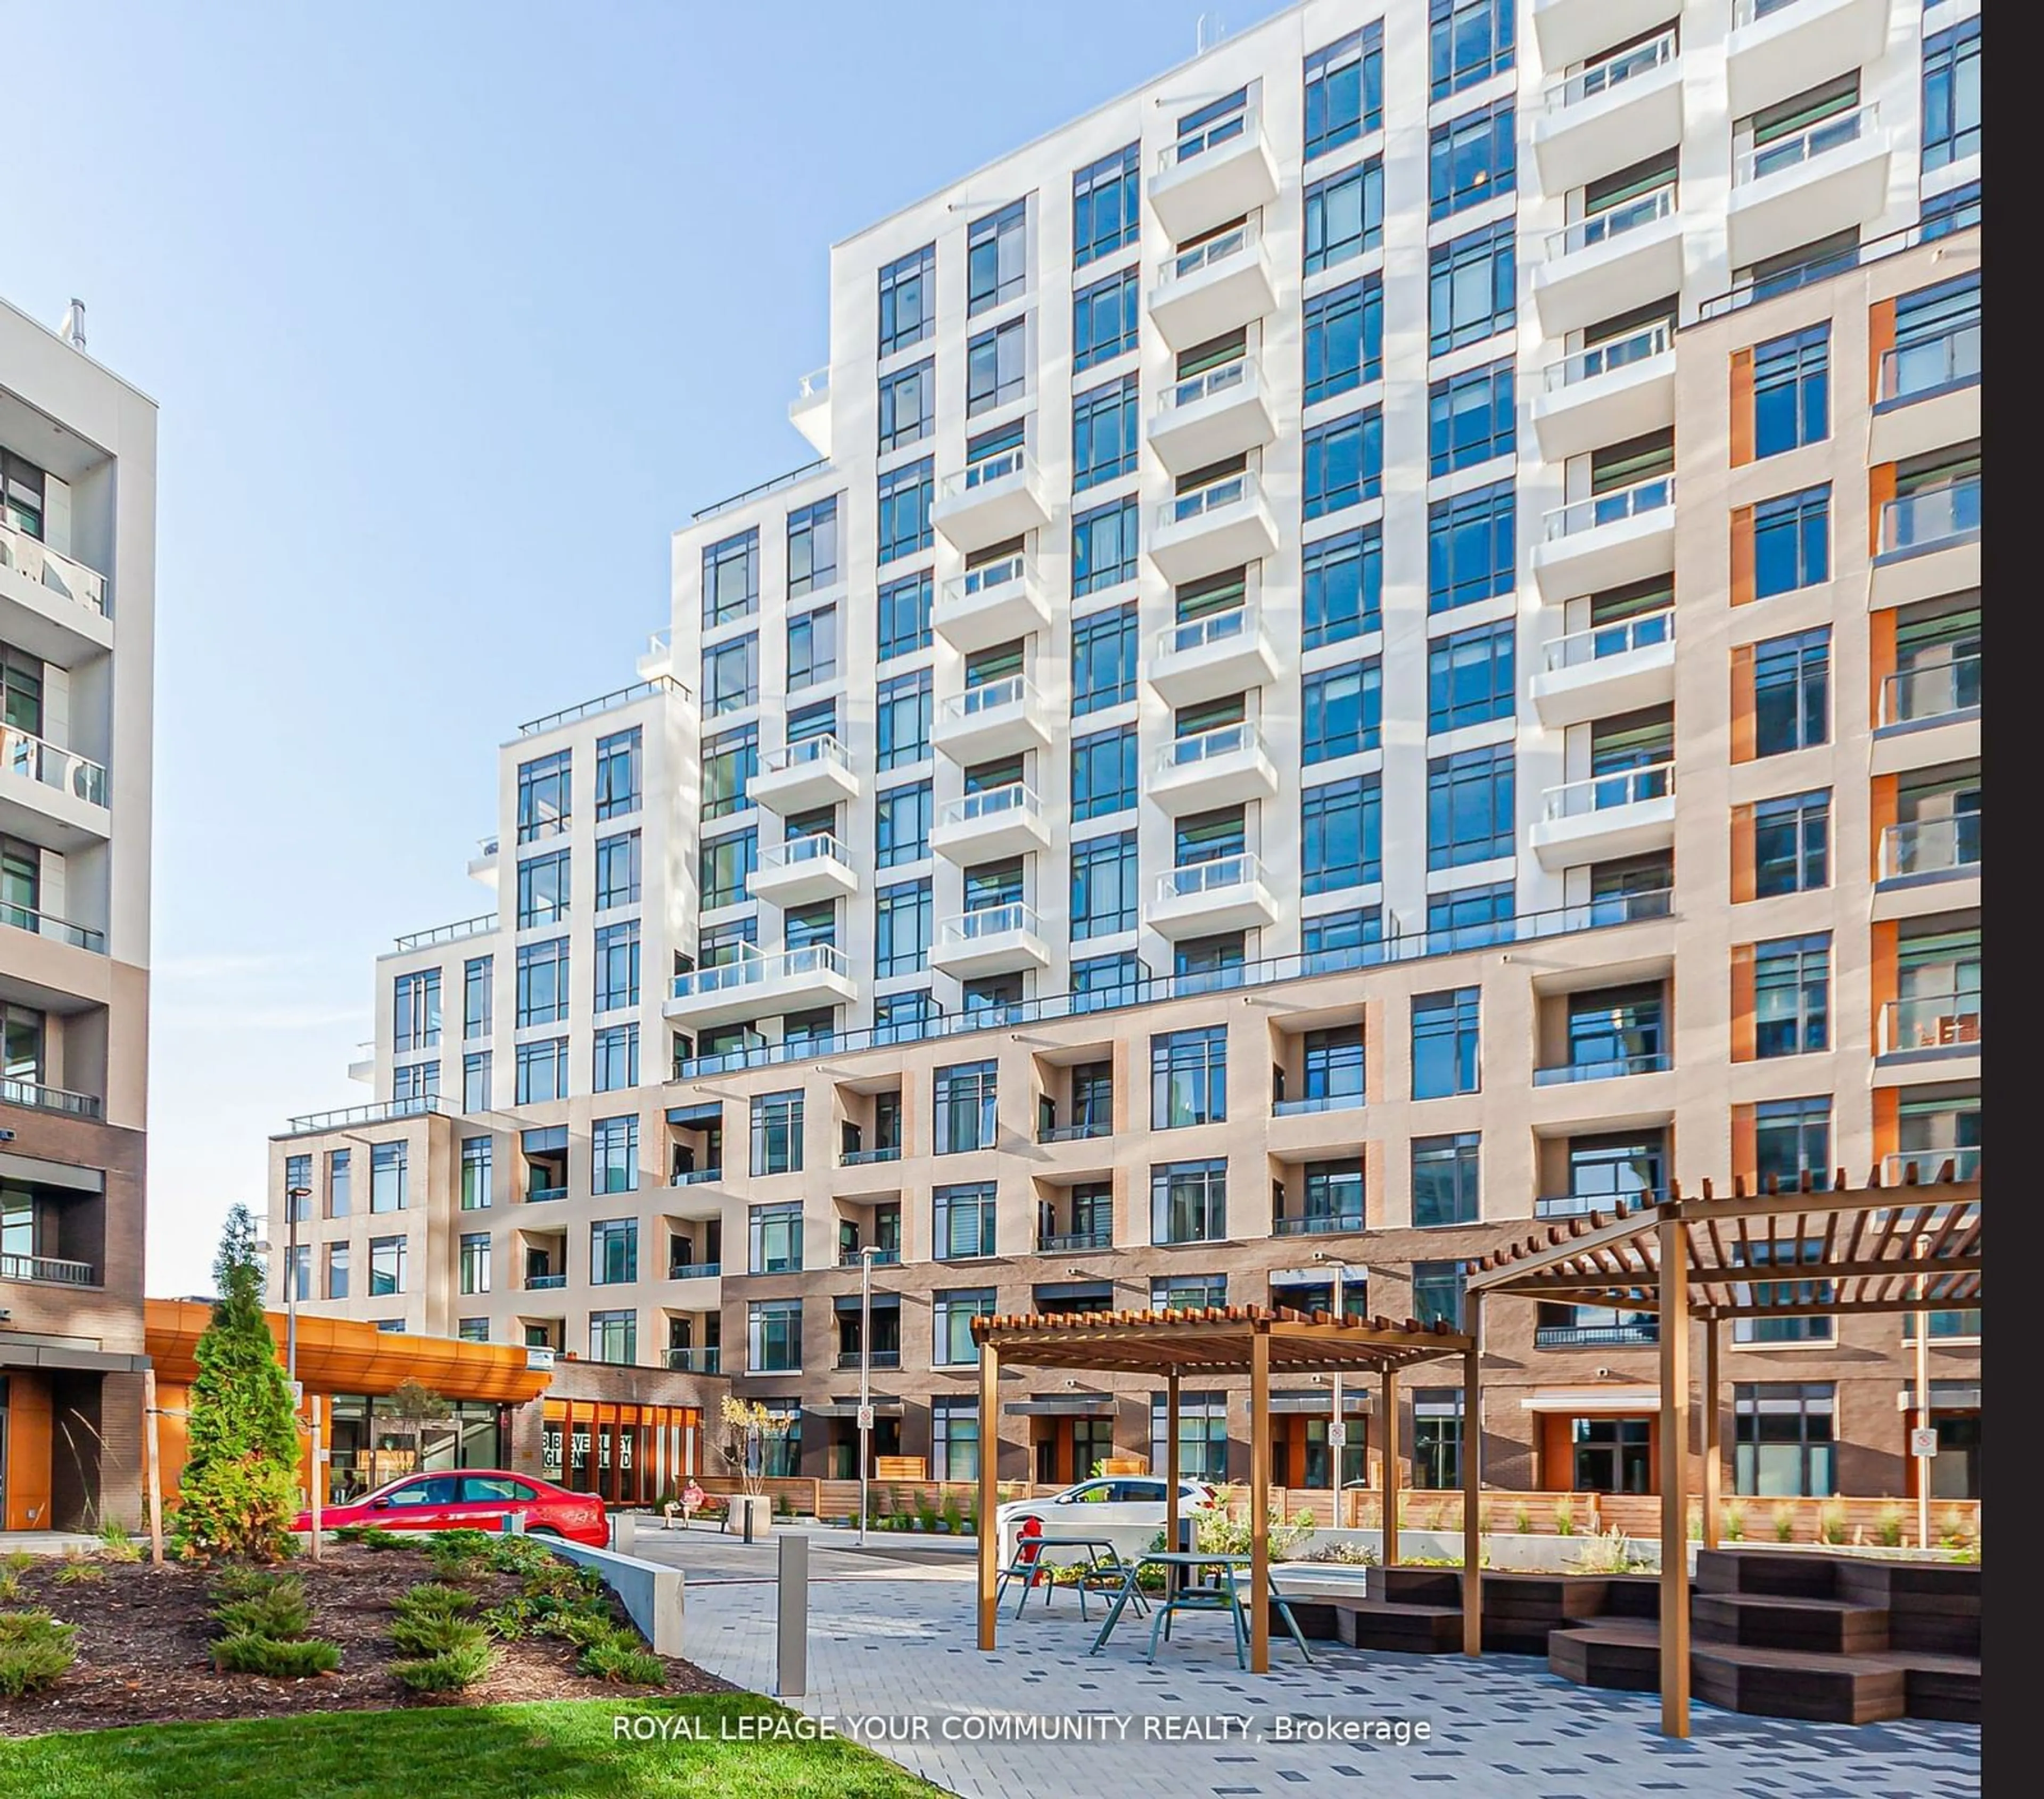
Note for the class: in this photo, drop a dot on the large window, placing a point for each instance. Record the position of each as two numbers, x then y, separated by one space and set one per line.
1105 213
387 1265
1333 1065
542 983
1782 1441
1791 1138
1104 772
904 494
730 578
813 548
542 889
730 760
541 1070
1104 320
619 758
962 1221
1103 659
1470 551
1103 886
1104 546
1791 391
1792 679
1344 462
903 718
613 1252
997 367
1344 338
901 824
1444 1180
479 997
617 870
1341 826
725 865
614 1154
1470 419
1343 579
1792 845
542 797
953 1310
776 1133
415 1011
475 1075
1105 436
902 928
1189 1201
613 1338
1469 802
965 1097
1469 676
812 647
1437 1294
774 1238
1467 41
340 1182
1470 288
730 675
1188 1077
955 1440
996 257
1792 984
1952 94
1344 215
1344 90
908 300
1202 1434
774 1336
905 616
907 404
1445 1042
615 1059
1791 542
1471 159
617 965
1343 710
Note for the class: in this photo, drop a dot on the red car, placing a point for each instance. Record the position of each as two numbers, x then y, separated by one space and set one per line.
471 1499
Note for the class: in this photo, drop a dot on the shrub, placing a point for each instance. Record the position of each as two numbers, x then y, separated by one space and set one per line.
926 1513
372 1537
441 1635
1734 1521
1565 1515
279 1614
510 1620
1956 1531
243 1583
35 1651
76 1569
584 1629
951 1517
620 1658
1784 1523
12 1592
1830 1522
432 1600
293 1659
116 1544
1354 1554
1608 1552
1696 1522
448 1671
17 1562
1522 1518
1888 1527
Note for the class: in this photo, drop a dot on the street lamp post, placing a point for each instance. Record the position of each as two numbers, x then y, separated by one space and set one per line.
1923 1404
292 1196
1338 1423
867 1253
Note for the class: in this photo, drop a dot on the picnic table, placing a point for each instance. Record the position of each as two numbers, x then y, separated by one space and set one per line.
1102 1559
1226 1597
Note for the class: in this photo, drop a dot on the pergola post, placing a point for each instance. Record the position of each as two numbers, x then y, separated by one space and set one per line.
1171 1470
990 1459
1713 1449
1259 1503
1674 1315
1472 1461
1390 1394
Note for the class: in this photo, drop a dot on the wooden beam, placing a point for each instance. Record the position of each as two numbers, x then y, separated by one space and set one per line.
1259 1503
1472 1473
1171 1477
990 1458
1713 1448
1390 1467
1674 1485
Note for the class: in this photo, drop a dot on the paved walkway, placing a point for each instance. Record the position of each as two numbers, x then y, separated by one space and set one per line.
892 1637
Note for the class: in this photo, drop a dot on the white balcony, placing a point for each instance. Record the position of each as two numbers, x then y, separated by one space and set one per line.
1931 849
50 796
1215 655
758 986
1778 48
1605 394
1223 525
809 412
1606 817
998 940
990 825
1218 172
1607 669
362 1066
1595 121
799 777
1209 417
482 865
1923 1023
1931 519
50 606
1227 893
1213 287
1573 31
997 718
1927 394
1827 177
1225 767
1592 545
993 604
1934 694
803 870
1623 257
997 498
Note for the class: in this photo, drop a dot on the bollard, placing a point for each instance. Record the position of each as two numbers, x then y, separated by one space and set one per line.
624 1531
792 1658
514 1524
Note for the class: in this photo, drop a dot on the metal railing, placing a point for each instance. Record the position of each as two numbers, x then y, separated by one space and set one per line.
1241 869
694 1271
1596 1337
1933 516
752 970
1745 12
992 802
486 846
52 1271
1055 1243
380 1112
1652 494
695 1177
1217 248
39 1097
1911 695
695 1361
871 1359
814 385
1946 1020
48 924
1187 508
1317 1224
1613 223
1830 262
1318 1102
604 702
802 753
1239 376
1236 624
34 560
983 474
545 1283
1642 631
1611 1068
1242 122
882 1258
475 927
540 1196
764 488
33 759
990 697
1196 751
1930 1164
1606 793
985 583
1930 846
869 1158
1084 1132
1612 72
1602 358
794 852
1757 161
1581 1204
1949 359
990 921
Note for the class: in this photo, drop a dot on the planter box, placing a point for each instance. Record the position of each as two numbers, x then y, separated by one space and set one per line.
760 1506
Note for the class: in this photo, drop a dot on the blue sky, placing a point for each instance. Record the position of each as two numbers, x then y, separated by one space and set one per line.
454 313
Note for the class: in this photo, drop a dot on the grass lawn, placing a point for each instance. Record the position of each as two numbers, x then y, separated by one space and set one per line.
555 1750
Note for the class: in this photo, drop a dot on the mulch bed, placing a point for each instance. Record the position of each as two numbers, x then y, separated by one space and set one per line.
144 1649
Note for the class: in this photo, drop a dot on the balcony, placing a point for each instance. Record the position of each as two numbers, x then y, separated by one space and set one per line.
1931 849
695 1361
1607 669
1213 288
757 986
809 412
545 1283
869 1158
1582 1205
804 870
1606 817
852 1359
1203 899
1073 1243
1931 1164
1645 1333
1223 525
1594 122
990 825
50 796
48 1271
379 1112
541 1196
1317 1104
1571 31
1091 1130
996 719
479 926
1224 767
694 1271
695 1178
884 1256
1606 393
996 939
1932 1025
1827 177
1593 544
1778 48
1935 694
1216 173
997 498
1209 417
50 606
1211 656
994 604
1606 1068
800 777
1927 394
1623 257
1933 519
59 930
1319 1225
482 865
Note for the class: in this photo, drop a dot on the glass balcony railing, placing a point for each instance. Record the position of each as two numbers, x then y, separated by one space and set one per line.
1197 879
1918 1021
1745 12
1317 1102
987 472
1651 495
800 853
1605 1068
1930 846
379 1112
1603 358
49 1270
1202 748
1950 359
1581 1204
989 697
990 582
1930 1164
810 960
806 752
1085 1131
1237 377
990 922
1613 223
1227 129
1056 1243
812 387
1317 1224
1642 631
992 803
1757 161
694 1271
695 1361
36 561
869 1158
851 1358
1933 516
47 925
33 759
1204 502
1612 73
1607 792
545 1283
1909 696
1236 625
886 1255
539 1196
695 1177
1208 253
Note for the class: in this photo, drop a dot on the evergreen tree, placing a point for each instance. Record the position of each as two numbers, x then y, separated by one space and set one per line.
239 1492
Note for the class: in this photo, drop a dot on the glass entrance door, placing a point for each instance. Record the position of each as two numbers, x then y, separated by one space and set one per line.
1612 1455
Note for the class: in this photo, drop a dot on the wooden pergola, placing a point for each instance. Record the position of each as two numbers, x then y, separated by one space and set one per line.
1801 1252
1218 1342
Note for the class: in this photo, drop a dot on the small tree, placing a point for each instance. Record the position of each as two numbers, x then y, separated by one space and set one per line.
238 1491
410 1406
748 1428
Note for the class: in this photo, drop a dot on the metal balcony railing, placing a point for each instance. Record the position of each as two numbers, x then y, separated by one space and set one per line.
1757 161
1603 358
694 1271
483 922
1085 1131
1317 1224
695 1361
1581 1204
1641 632
1579 517
1596 1337
873 1359
1946 1020
1613 223
1607 793
1058 1242
1949 359
541 1196
886 1257
695 1177
1317 1102
50 1270
869 1158
1912 695
1934 515
1930 846
1930 1164
48 924
381 1112
545 1283
1613 72
32 759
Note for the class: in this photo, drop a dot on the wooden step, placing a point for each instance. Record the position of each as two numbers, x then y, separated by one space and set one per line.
1417 1586
1754 1571
1624 1657
1829 1627
1939 1686
1390 1624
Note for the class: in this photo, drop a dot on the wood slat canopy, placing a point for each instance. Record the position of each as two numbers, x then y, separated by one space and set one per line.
1214 1339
